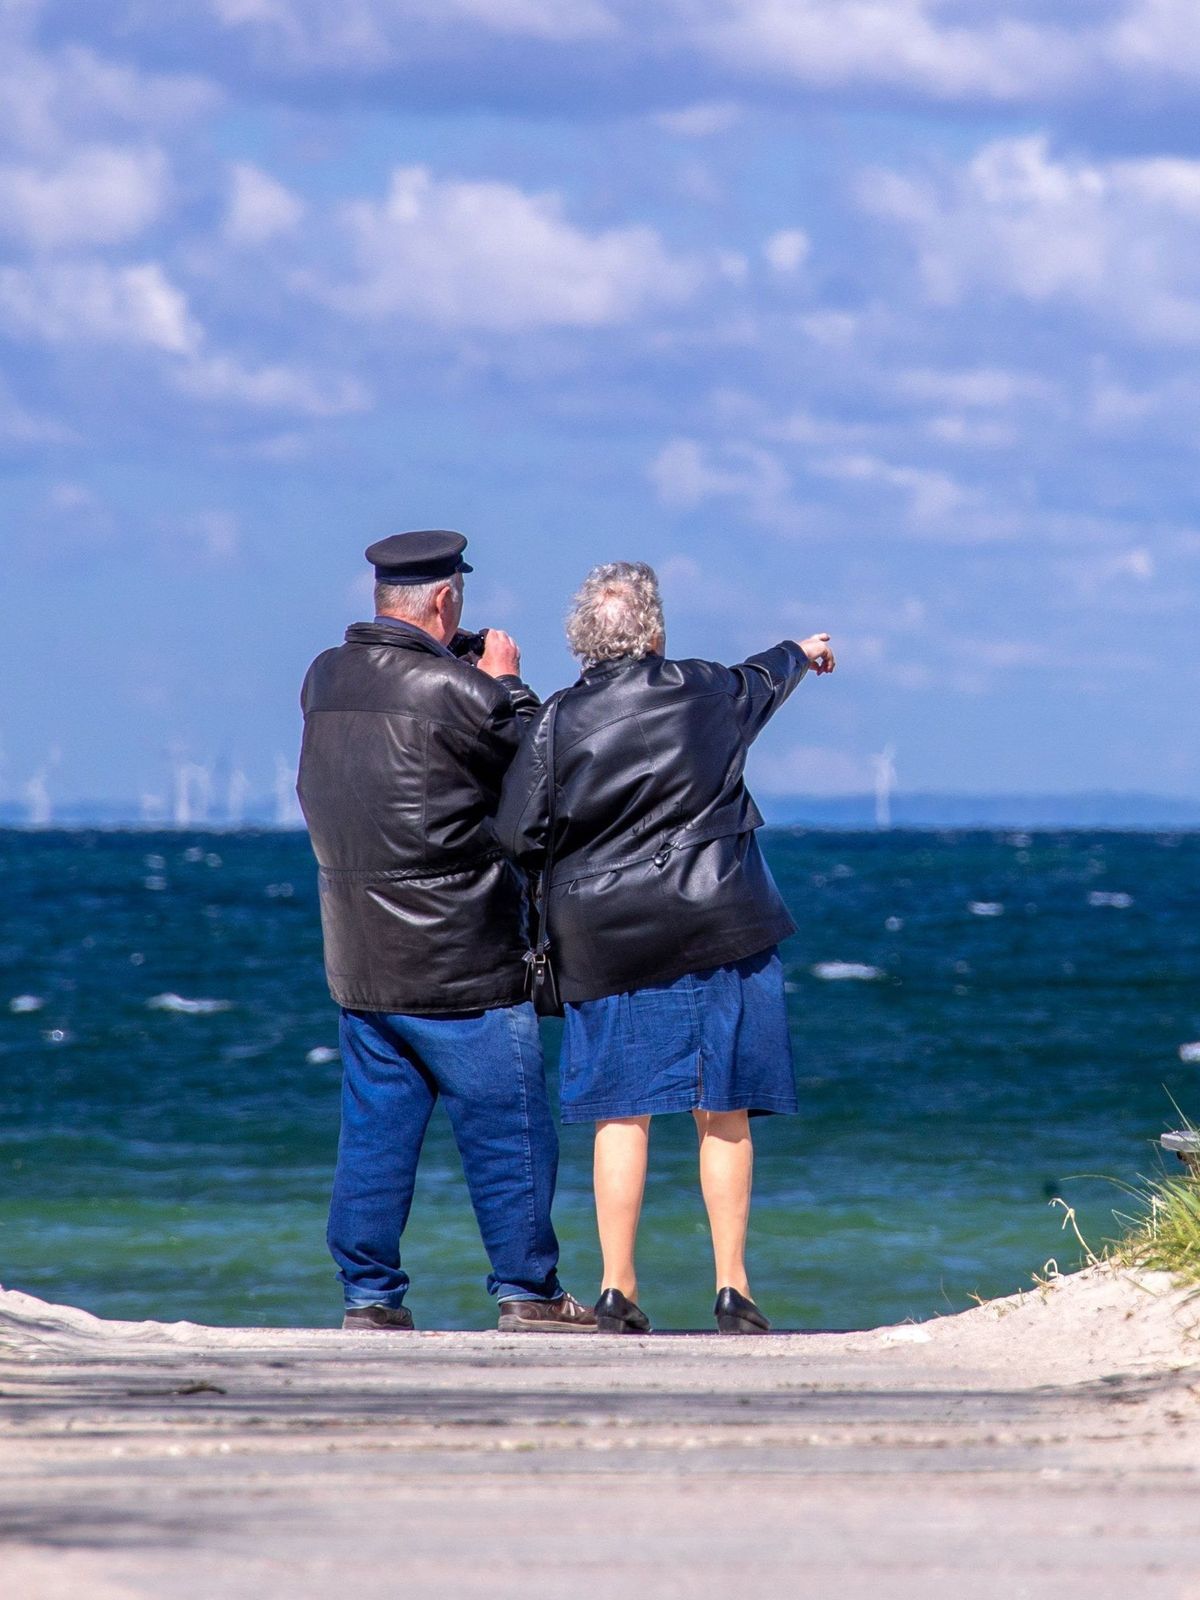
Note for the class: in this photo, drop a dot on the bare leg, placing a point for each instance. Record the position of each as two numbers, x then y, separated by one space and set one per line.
726 1171
622 1146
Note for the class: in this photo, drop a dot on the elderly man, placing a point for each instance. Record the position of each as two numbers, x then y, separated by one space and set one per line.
424 918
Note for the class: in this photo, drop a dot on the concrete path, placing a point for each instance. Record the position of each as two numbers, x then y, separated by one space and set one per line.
959 1458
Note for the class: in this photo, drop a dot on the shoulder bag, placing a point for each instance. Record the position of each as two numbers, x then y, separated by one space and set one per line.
541 981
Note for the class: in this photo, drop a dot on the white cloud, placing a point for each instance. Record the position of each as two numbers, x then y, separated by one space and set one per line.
685 474
833 330
100 194
1001 655
1163 406
372 33
900 43
983 388
20 426
90 301
215 534
260 207
1095 575
1116 407
700 121
557 20
696 181
932 496
76 514
488 255
1116 239
270 388
53 98
281 448
1159 36
787 250
970 432
802 427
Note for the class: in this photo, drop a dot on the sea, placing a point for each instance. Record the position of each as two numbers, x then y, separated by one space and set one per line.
990 1029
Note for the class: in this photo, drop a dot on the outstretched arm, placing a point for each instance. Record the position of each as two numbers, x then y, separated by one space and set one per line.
767 679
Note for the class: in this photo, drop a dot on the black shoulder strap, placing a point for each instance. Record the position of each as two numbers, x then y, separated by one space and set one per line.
542 942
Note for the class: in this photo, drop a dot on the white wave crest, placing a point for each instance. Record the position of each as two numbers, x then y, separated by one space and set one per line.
835 971
22 1003
186 1008
1190 1052
321 1055
985 908
1105 897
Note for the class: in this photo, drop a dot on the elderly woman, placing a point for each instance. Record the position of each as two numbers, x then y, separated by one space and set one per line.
663 917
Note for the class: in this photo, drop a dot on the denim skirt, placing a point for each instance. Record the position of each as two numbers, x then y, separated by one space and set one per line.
715 1040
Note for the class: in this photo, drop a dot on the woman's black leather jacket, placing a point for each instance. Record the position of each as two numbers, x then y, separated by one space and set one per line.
404 751
657 871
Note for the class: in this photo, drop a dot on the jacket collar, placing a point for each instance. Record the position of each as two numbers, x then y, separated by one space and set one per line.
403 635
601 671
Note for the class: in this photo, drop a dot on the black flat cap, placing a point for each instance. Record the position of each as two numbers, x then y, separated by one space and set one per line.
423 556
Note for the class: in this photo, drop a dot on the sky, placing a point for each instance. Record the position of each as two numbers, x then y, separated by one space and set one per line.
879 317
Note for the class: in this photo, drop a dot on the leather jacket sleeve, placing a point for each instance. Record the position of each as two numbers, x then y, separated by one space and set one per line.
523 816
765 682
500 736
524 701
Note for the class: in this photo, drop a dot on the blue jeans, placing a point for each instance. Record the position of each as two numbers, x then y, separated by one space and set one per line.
488 1068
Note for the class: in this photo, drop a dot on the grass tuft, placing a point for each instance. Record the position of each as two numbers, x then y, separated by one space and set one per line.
1165 1237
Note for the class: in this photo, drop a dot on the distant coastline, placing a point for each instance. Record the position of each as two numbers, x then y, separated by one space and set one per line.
837 813
1089 809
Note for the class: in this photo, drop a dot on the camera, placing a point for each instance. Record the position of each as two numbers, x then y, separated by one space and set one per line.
468 646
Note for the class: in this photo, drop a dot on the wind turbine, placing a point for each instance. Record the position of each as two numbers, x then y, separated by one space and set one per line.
37 798
885 781
193 793
40 812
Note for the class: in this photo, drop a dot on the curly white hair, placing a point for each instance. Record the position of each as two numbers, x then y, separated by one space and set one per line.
617 612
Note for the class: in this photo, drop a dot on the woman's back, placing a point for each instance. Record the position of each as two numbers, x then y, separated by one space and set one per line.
656 870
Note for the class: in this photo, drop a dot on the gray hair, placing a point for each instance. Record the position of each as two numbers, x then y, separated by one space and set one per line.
617 612
412 601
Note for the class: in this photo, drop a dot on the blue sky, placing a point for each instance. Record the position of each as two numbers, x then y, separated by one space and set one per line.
878 317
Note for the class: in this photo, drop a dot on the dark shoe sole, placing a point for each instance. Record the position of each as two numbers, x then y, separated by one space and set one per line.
361 1327
739 1325
376 1327
617 1325
518 1325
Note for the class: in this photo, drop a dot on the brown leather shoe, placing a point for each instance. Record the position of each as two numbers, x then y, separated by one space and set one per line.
564 1315
385 1319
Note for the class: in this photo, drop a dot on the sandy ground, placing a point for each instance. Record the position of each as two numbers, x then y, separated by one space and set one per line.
1044 1445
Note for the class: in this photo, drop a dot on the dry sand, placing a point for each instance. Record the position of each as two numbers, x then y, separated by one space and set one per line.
1048 1444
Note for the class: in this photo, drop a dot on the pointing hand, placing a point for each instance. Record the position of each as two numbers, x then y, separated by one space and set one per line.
820 656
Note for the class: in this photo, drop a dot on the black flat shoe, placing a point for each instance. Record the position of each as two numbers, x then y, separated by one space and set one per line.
736 1314
616 1314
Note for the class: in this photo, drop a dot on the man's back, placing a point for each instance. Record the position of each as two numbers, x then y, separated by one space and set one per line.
400 771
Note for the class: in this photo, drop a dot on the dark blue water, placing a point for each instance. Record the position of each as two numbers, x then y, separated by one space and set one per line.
176 1164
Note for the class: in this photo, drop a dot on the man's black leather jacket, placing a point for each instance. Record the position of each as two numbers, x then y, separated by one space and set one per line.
404 751
657 871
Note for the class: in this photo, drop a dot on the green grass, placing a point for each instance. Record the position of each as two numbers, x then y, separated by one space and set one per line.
1165 1235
